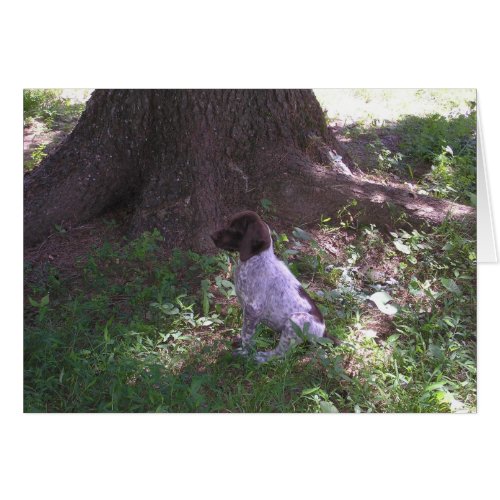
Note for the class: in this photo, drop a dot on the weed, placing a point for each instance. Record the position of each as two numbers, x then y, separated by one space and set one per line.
347 216
39 103
36 157
448 144
266 205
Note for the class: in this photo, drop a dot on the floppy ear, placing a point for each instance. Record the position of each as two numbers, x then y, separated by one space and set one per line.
255 240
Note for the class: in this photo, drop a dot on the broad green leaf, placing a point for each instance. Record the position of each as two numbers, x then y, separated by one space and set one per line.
450 321
435 351
312 390
44 301
448 246
401 246
301 234
433 387
266 204
34 303
451 286
106 334
319 340
206 304
327 407
381 300
168 308
414 288
301 332
392 338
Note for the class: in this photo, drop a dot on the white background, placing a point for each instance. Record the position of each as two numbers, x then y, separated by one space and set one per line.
255 44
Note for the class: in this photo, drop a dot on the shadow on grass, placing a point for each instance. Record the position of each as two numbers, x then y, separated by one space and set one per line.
210 380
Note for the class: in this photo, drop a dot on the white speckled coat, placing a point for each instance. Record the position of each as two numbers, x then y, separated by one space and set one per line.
269 293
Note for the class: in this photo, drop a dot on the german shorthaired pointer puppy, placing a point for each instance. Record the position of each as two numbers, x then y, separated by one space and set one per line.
268 292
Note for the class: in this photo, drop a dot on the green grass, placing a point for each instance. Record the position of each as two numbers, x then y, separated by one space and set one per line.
141 333
435 153
448 145
36 158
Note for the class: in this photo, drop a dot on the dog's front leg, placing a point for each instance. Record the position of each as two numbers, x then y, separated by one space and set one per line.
250 322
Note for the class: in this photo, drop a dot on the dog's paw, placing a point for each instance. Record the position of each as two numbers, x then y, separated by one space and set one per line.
262 357
241 351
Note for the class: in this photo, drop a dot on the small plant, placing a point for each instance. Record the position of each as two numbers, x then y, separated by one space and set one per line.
225 287
448 146
325 224
39 103
142 247
347 216
451 177
266 205
280 245
41 306
388 161
36 157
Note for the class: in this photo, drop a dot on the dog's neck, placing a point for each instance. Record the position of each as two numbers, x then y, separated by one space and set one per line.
266 255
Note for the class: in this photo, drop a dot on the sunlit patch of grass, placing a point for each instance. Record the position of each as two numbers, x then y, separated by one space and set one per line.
424 137
448 146
381 106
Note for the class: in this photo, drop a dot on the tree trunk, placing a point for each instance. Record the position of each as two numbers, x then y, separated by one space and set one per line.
183 160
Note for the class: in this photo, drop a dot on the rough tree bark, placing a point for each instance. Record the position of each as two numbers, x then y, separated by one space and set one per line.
183 160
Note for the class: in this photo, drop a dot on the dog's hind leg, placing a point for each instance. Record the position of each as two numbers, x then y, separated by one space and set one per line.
289 335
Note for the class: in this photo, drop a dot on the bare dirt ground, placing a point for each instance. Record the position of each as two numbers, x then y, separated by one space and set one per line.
38 133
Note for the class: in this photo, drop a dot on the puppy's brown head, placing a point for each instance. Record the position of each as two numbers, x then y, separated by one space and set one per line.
246 233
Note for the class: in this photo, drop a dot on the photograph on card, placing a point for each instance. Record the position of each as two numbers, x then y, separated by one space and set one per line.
250 250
